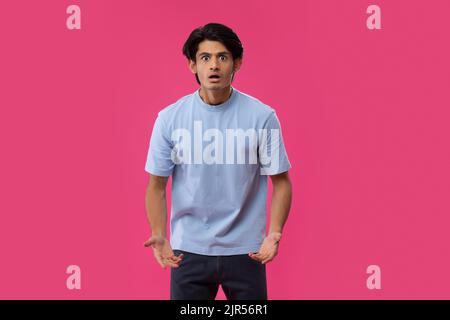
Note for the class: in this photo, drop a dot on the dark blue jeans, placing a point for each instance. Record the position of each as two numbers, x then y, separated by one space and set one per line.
198 277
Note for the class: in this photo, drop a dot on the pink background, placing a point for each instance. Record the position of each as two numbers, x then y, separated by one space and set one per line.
364 113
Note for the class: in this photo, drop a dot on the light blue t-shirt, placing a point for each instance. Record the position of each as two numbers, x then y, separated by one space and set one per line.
219 158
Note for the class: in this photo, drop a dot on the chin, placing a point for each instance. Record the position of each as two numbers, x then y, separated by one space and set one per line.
213 86
216 86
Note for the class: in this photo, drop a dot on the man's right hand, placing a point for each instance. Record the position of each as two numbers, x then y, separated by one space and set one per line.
163 252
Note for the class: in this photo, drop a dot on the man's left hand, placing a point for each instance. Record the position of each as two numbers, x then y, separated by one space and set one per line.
269 248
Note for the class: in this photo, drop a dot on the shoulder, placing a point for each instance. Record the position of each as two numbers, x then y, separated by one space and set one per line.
256 106
170 112
172 108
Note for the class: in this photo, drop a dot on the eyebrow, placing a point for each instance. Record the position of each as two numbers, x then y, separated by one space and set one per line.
219 53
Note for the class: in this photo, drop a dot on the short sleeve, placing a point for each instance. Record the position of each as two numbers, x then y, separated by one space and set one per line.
272 155
159 160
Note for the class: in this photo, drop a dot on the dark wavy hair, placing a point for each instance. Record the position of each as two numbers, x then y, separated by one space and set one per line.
213 32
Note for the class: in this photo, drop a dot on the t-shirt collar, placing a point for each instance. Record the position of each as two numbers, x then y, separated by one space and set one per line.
218 107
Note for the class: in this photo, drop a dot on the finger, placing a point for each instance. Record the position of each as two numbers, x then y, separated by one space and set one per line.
267 251
174 259
266 260
270 257
263 257
178 258
257 254
255 257
160 259
172 264
262 254
171 257
160 262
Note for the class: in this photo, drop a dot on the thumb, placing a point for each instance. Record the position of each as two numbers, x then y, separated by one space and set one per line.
150 242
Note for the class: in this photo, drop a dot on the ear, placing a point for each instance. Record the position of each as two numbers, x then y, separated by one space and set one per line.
237 64
192 66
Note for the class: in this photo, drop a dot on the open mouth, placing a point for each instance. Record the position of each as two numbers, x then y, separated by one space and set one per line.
214 77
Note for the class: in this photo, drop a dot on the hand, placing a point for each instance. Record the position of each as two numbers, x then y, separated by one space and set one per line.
269 248
163 252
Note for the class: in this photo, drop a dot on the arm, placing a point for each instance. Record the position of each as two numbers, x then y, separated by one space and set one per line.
155 203
279 211
281 201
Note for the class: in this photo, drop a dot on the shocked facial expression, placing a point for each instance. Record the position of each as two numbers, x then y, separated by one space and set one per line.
214 65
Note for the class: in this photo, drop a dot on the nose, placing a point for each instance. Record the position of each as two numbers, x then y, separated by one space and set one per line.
214 64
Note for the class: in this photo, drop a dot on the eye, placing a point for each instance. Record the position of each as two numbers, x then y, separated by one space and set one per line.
224 57
204 58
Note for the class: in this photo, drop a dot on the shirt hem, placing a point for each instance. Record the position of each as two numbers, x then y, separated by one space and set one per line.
218 251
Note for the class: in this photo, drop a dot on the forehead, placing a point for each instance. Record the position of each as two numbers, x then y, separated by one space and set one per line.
211 46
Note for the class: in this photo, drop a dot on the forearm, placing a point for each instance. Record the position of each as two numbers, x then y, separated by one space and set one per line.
156 208
280 206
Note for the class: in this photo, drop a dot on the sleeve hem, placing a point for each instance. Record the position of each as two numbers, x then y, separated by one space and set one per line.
267 172
157 172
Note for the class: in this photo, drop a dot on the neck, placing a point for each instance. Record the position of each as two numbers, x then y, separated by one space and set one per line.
215 97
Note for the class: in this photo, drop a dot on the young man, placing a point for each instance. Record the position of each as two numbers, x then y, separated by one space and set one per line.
219 145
